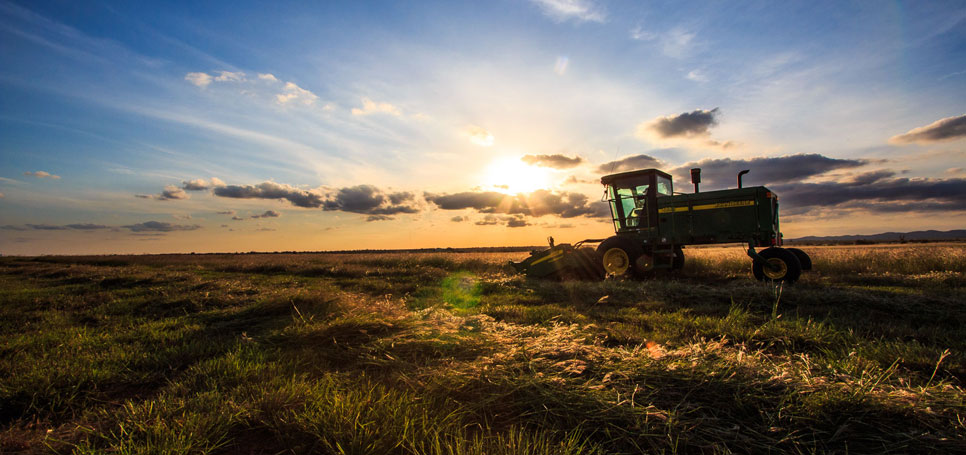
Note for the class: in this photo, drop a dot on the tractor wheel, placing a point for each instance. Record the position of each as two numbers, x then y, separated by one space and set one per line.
678 262
618 255
787 268
802 257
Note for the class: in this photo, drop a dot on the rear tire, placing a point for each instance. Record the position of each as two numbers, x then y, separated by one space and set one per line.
787 265
618 255
802 258
678 262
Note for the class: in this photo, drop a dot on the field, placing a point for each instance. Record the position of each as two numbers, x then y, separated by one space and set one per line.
453 354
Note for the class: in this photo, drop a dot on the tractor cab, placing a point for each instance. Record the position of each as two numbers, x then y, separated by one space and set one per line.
633 198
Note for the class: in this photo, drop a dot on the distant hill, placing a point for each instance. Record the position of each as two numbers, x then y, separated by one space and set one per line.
958 234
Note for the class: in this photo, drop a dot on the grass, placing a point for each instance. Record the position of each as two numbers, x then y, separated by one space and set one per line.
451 353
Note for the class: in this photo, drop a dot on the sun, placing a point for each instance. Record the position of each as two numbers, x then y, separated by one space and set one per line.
512 176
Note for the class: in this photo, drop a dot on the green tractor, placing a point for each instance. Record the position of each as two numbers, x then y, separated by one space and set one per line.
653 224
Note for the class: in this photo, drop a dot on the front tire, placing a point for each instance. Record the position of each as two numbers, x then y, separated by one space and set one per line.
618 255
785 266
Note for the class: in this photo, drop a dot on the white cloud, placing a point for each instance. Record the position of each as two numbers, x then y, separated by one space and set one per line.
42 175
371 107
560 67
479 136
200 79
295 93
267 77
639 34
697 76
228 76
677 42
578 10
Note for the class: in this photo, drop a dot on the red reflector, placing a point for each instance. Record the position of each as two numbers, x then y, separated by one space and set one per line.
768 194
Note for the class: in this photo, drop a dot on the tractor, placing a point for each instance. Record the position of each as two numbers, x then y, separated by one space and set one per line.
653 224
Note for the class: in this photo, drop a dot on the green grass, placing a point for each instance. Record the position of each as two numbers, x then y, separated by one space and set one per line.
453 354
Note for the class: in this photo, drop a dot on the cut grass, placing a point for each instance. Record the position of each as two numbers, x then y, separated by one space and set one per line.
451 354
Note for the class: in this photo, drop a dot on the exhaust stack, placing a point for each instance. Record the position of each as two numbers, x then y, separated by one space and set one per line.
696 178
741 174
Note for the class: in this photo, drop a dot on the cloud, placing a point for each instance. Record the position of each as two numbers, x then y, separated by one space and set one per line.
886 195
630 163
371 218
160 226
371 107
697 76
479 136
370 200
294 93
687 125
538 203
271 190
577 10
144 196
459 219
199 79
365 199
781 169
555 161
512 221
47 227
201 184
267 77
677 42
268 214
172 192
237 218
639 34
87 226
42 175
226 212
947 129
10 227
560 66
228 76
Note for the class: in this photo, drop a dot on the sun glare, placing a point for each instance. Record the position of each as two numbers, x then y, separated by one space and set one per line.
512 176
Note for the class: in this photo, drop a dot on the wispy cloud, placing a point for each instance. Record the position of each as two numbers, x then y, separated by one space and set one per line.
479 136
160 226
947 129
555 161
268 214
576 10
42 175
199 79
370 107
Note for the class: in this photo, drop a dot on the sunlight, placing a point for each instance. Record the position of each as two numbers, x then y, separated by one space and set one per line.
512 176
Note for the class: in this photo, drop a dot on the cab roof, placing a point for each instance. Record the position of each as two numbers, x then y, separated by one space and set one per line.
608 179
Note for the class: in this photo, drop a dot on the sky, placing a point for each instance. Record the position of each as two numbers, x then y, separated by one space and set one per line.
160 127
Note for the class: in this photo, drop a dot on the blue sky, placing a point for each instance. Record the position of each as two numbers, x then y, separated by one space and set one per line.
360 116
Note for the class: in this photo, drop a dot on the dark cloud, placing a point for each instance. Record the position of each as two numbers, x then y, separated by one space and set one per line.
371 218
947 129
512 221
630 163
574 180
537 203
10 227
47 227
143 196
879 195
555 161
692 124
238 218
160 226
723 172
370 200
271 190
365 199
268 214
226 212
87 226
459 219
870 177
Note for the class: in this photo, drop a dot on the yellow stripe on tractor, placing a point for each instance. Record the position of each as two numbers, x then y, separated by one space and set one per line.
720 205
